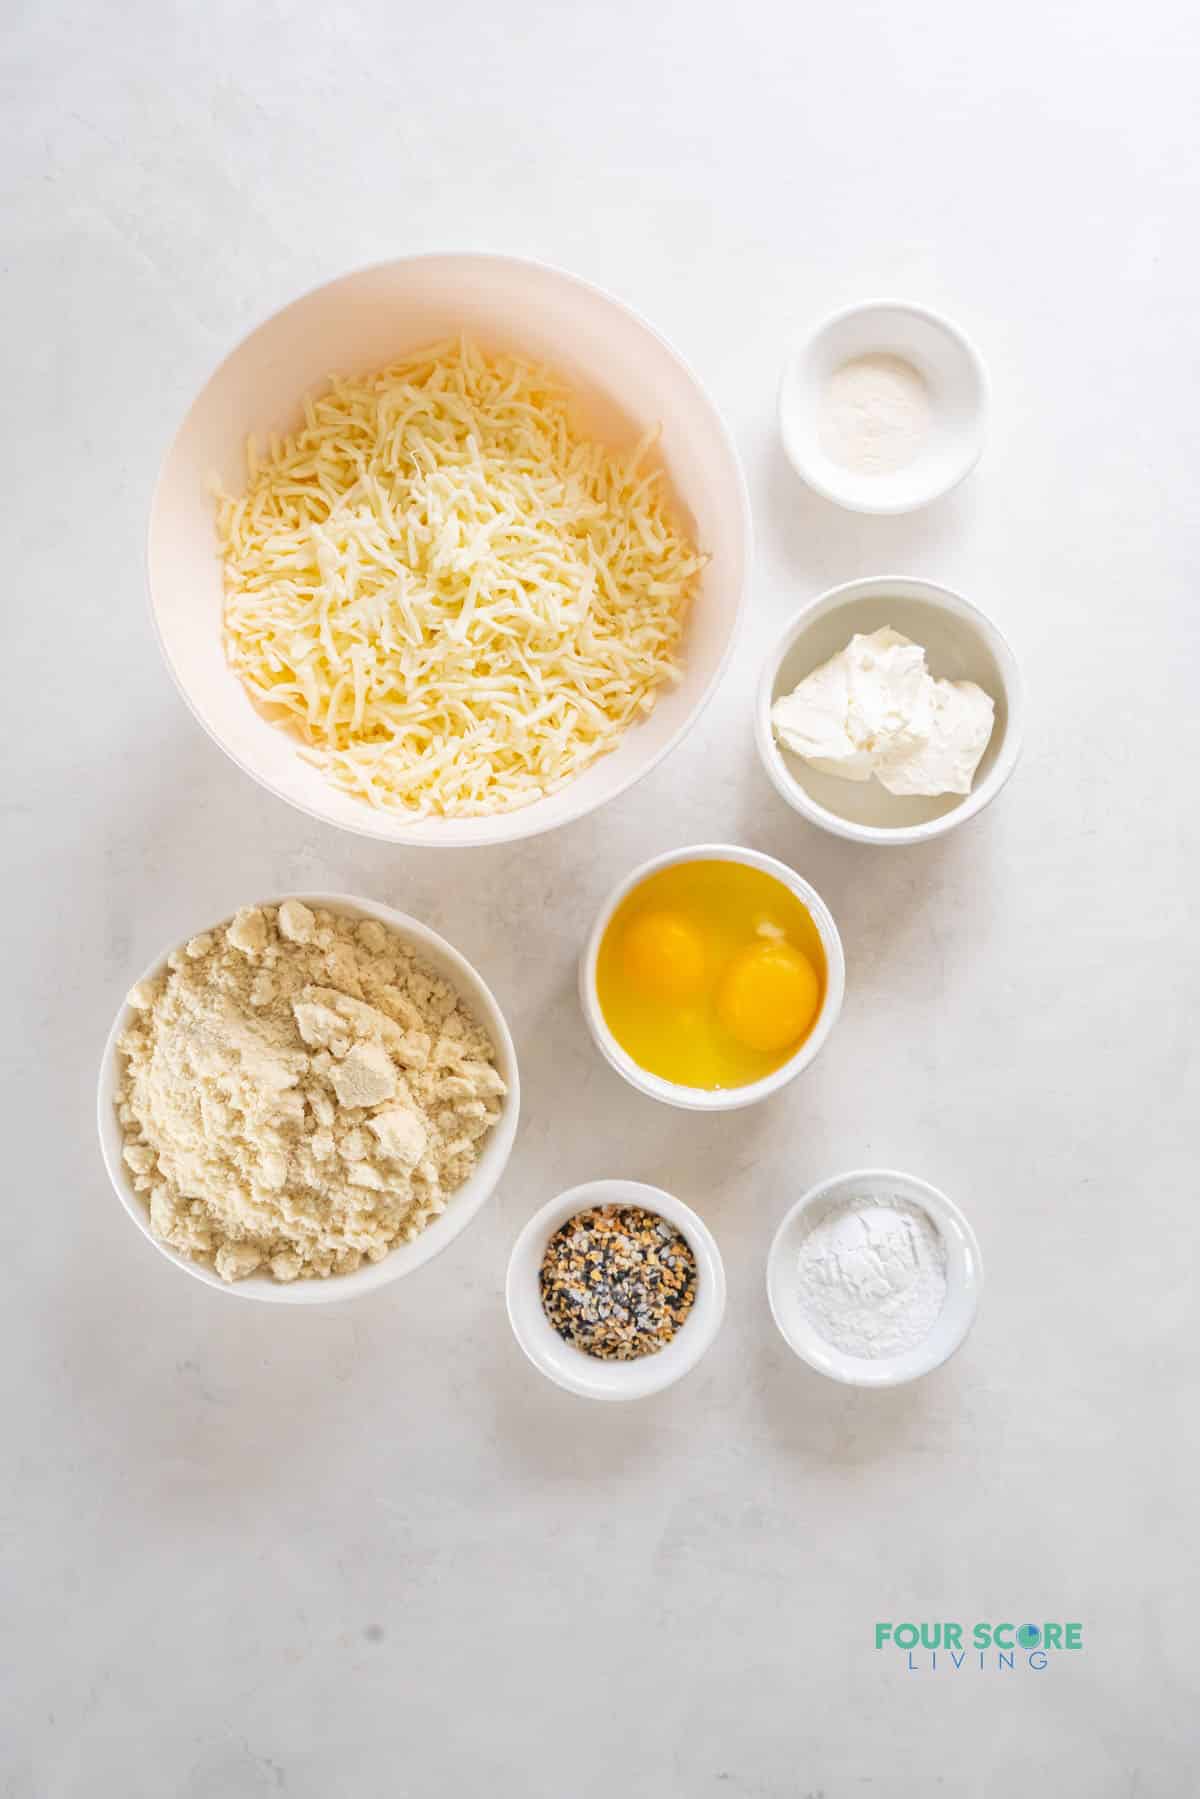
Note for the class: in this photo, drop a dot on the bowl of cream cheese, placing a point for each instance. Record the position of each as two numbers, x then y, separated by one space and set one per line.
890 711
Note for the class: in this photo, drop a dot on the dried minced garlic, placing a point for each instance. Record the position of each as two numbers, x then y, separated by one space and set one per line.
298 1092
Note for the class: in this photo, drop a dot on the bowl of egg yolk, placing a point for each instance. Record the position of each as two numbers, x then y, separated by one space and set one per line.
712 976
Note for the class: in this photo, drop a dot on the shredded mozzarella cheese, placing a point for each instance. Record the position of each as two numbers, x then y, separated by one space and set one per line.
456 602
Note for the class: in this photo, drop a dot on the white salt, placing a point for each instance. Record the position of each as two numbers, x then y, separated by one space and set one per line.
875 414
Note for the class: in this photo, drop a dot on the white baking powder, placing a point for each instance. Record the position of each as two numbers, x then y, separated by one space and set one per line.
872 1275
875 414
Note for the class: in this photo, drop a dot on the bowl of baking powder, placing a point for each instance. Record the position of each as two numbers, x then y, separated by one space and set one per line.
873 1277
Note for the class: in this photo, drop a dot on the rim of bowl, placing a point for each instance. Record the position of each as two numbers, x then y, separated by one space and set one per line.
371 1275
804 342
872 587
720 1099
369 824
589 1376
963 1289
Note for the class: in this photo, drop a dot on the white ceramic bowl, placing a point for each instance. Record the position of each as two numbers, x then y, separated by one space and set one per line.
723 1099
954 376
463 1204
964 1277
587 1375
961 644
631 380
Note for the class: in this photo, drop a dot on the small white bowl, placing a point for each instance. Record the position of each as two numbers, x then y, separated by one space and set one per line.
629 379
722 1099
961 644
964 1278
462 1205
588 1375
953 373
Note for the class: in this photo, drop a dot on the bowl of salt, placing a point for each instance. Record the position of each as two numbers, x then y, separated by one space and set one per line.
882 407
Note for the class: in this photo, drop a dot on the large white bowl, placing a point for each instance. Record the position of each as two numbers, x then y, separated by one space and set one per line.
715 1099
961 644
632 380
462 1205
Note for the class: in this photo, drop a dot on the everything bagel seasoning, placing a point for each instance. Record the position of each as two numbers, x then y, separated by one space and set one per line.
617 1282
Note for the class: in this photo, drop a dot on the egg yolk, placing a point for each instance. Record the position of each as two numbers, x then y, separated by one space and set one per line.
664 956
769 996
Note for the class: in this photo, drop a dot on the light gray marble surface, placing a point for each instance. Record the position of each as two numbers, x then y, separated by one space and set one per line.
367 1550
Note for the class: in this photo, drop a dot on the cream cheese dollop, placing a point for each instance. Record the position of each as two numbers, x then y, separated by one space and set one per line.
875 709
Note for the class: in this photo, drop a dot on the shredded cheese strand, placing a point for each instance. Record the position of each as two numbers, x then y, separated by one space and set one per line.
453 600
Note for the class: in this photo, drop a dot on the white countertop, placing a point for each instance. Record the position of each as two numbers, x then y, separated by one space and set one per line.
366 1550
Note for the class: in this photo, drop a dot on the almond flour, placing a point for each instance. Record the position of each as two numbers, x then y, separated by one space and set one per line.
299 1092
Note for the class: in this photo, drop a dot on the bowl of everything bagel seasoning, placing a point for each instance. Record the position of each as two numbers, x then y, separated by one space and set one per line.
615 1290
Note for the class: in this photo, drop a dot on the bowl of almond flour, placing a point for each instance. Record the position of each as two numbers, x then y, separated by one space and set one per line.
307 1100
